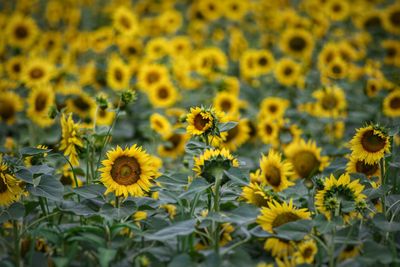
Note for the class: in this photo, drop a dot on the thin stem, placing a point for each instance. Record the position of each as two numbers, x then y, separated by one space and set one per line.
73 172
217 173
17 249
383 179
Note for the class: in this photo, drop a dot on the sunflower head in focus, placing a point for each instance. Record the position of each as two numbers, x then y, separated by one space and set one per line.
10 187
276 171
257 194
356 165
202 120
127 172
370 144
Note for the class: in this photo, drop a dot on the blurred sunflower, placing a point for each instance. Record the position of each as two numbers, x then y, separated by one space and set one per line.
67 177
125 21
156 48
339 192
287 72
151 74
392 52
276 171
127 171
255 193
160 125
279 248
21 31
336 69
350 251
331 102
235 9
306 158
10 104
337 10
39 102
80 103
370 144
236 136
10 187
356 165
306 252
297 42
171 20
391 17
264 61
14 67
104 117
71 139
268 130
273 107
118 74
37 72
391 104
163 94
174 147
226 102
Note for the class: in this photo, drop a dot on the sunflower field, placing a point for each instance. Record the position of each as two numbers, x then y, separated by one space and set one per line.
188 133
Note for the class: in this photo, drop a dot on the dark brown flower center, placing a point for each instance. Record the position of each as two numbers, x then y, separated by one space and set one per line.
305 163
125 170
337 8
40 102
273 108
283 218
200 122
36 73
21 32
232 133
372 22
260 200
372 142
297 43
125 22
81 104
337 69
268 129
273 176
132 50
66 180
3 186
365 168
153 77
288 71
118 75
395 18
329 102
7 110
163 93
307 252
391 52
175 140
395 103
262 61
226 105
16 67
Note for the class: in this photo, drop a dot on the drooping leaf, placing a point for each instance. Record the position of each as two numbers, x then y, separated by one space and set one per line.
181 228
48 187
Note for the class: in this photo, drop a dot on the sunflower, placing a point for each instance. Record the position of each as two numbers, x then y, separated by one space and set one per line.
370 144
21 31
247 64
39 102
175 146
118 74
127 171
391 104
125 21
331 102
209 9
391 21
199 121
101 39
130 47
156 48
213 158
306 158
67 177
306 252
235 9
297 42
180 46
371 20
256 194
14 67
276 214
336 193
10 187
264 61
80 103
336 69
210 60
273 107
392 52
163 94
268 130
37 72
10 104
236 136
71 139
328 53
287 72
171 20
335 130
356 165
227 102
276 171
151 74
337 10
104 117
350 251
373 87
160 125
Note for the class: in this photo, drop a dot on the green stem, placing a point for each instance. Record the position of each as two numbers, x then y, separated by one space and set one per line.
41 203
331 252
73 172
87 162
217 173
17 249
383 179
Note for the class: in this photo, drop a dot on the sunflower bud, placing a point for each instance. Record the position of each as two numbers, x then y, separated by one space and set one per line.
102 102
128 96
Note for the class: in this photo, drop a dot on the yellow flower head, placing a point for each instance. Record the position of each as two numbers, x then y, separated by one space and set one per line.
71 139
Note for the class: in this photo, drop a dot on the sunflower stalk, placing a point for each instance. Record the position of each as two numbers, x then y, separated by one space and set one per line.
383 178
217 173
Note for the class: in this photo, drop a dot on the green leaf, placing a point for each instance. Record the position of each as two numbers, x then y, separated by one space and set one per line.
376 252
14 212
30 151
244 214
380 222
224 127
48 187
235 175
90 191
25 175
181 260
181 228
294 230
106 255
192 146
198 185
77 208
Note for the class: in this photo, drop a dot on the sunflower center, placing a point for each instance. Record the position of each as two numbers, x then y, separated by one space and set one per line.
175 139
153 77
200 122
16 67
307 252
391 52
273 176
329 102
395 18
262 61
66 180
372 22
125 170
226 105
102 113
268 129
288 71
395 103
232 133
283 218
273 108
365 168
234 7
132 50
297 43
305 163
163 93
118 75
336 69
372 142
40 102
6 110
260 200
3 186
81 104
36 73
21 32
125 22
337 8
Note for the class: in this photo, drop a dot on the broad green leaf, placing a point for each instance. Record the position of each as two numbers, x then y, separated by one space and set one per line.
294 230
106 255
14 212
48 187
181 228
383 224
90 191
224 127
30 151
